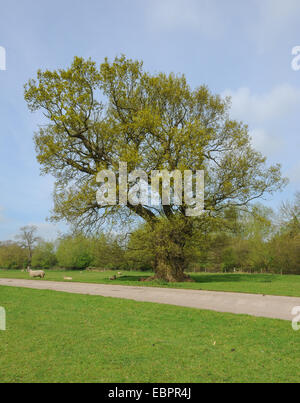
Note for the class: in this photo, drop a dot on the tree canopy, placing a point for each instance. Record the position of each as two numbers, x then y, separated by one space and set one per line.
99 116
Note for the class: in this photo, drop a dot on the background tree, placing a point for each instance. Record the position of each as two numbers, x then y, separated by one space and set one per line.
139 251
44 256
285 245
12 255
289 216
107 252
98 117
28 239
74 252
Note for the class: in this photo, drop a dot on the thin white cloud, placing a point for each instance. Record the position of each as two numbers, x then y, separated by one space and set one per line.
281 101
263 112
203 16
264 142
48 231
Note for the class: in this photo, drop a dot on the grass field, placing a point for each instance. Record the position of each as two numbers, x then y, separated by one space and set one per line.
60 337
288 285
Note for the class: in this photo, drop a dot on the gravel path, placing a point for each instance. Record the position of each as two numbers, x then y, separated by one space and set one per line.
257 305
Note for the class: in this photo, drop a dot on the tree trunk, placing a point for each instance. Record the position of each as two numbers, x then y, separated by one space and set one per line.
170 269
169 251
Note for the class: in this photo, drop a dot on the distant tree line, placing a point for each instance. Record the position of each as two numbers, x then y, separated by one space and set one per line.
250 241
75 251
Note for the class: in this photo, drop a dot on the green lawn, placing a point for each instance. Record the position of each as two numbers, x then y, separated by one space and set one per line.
249 283
60 337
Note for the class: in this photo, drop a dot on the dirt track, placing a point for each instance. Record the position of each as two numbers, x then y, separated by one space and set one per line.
251 304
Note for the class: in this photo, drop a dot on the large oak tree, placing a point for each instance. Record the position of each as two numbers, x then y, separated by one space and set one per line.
99 116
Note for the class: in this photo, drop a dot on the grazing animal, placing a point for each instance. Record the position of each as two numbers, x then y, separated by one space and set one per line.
119 273
36 273
68 278
113 278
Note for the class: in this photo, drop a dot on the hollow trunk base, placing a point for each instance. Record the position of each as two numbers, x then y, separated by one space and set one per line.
171 270
169 239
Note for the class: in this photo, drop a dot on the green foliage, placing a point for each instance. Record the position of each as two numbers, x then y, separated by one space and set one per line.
106 253
74 253
229 259
139 253
44 256
12 256
286 253
80 252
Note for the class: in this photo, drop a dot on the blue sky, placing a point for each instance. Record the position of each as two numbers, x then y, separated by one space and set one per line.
237 48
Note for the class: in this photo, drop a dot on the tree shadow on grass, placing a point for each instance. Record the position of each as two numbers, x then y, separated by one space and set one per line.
210 278
137 279
232 278
132 278
203 278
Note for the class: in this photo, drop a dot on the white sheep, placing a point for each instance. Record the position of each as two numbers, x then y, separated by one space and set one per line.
36 273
